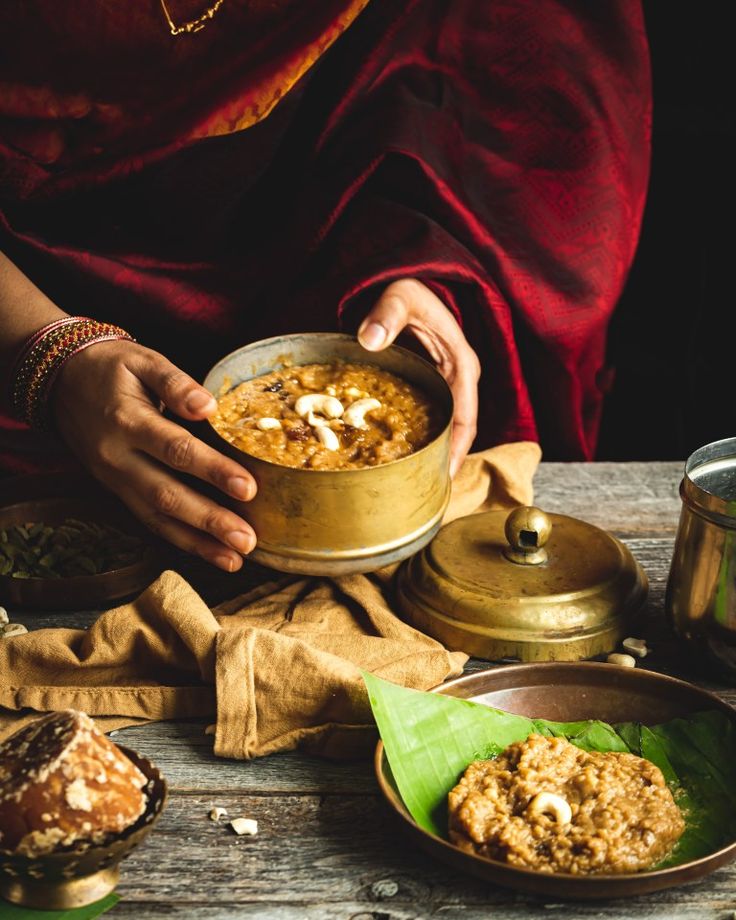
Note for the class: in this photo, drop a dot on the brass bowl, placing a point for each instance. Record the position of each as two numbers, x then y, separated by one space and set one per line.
333 522
83 874
52 498
568 692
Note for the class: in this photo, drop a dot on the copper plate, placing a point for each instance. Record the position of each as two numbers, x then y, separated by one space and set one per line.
51 498
569 692
81 875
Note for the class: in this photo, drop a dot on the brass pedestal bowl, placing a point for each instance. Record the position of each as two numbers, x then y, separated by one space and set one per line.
82 874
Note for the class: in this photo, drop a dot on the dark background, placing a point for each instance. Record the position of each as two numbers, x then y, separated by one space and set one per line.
672 340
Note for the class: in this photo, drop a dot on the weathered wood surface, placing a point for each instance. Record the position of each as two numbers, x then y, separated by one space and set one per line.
327 847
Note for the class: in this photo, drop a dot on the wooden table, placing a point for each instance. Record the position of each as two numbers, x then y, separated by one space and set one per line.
326 847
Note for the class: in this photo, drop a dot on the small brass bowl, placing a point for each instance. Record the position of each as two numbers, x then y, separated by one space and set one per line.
82 874
51 498
334 522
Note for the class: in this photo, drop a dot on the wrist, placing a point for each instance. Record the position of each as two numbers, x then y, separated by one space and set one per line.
42 358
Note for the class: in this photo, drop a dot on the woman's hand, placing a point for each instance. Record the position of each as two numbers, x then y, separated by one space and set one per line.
408 304
106 409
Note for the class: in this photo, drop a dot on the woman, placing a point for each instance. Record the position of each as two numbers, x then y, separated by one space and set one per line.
472 172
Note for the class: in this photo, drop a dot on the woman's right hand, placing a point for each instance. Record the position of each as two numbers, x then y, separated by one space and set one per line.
105 405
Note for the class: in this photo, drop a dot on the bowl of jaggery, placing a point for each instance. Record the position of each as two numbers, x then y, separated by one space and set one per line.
73 805
349 449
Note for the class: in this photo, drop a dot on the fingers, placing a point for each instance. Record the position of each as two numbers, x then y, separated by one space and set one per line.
464 386
106 414
410 304
187 519
387 318
179 392
459 365
176 448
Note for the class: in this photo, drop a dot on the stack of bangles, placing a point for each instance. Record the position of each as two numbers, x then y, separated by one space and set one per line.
44 355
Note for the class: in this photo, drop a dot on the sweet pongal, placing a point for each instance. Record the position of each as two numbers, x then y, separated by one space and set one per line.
327 417
547 805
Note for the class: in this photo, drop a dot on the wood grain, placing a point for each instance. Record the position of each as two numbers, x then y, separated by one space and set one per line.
327 848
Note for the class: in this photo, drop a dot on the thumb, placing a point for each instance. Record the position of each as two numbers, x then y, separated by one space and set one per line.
386 319
178 391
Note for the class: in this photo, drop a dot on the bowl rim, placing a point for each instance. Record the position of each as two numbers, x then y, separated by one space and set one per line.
344 337
532 876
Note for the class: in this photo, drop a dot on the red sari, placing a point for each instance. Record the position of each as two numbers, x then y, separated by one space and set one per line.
275 170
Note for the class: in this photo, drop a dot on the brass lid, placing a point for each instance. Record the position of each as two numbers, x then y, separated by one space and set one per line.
523 585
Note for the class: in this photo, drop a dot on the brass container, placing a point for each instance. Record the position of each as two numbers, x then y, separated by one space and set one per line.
701 589
86 873
333 522
523 586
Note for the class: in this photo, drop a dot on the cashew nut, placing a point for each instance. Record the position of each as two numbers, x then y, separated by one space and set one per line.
354 393
12 629
355 413
327 438
242 826
268 424
548 803
3 617
318 402
624 661
316 421
331 391
217 812
637 647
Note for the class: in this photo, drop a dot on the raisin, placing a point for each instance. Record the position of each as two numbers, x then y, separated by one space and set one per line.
298 433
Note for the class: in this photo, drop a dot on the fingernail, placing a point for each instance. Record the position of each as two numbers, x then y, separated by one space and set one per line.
199 400
229 563
240 540
373 336
240 488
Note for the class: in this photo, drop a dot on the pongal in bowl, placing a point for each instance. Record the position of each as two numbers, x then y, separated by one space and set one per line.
335 416
349 449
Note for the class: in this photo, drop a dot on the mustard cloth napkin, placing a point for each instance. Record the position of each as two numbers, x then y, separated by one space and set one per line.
278 667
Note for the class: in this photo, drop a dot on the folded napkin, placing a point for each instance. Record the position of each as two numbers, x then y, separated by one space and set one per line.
277 667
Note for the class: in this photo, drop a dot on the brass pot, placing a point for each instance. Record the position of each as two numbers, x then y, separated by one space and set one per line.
701 589
333 522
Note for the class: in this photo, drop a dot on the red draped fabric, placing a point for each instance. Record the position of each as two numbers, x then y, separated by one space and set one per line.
274 171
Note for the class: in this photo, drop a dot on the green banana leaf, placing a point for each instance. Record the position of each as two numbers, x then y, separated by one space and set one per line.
14 912
430 739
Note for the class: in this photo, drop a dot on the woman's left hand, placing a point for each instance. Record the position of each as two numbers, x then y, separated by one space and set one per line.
409 304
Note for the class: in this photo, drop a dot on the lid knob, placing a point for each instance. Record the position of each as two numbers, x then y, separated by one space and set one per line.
527 529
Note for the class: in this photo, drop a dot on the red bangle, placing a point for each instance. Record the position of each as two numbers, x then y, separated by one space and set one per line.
42 357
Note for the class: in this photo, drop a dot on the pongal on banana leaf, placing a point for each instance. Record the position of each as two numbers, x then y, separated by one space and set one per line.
430 739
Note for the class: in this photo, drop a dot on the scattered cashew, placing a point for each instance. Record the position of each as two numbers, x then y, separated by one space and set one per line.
217 812
12 629
248 826
268 424
637 647
327 438
355 413
548 803
354 393
624 661
318 402
3 616
331 391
